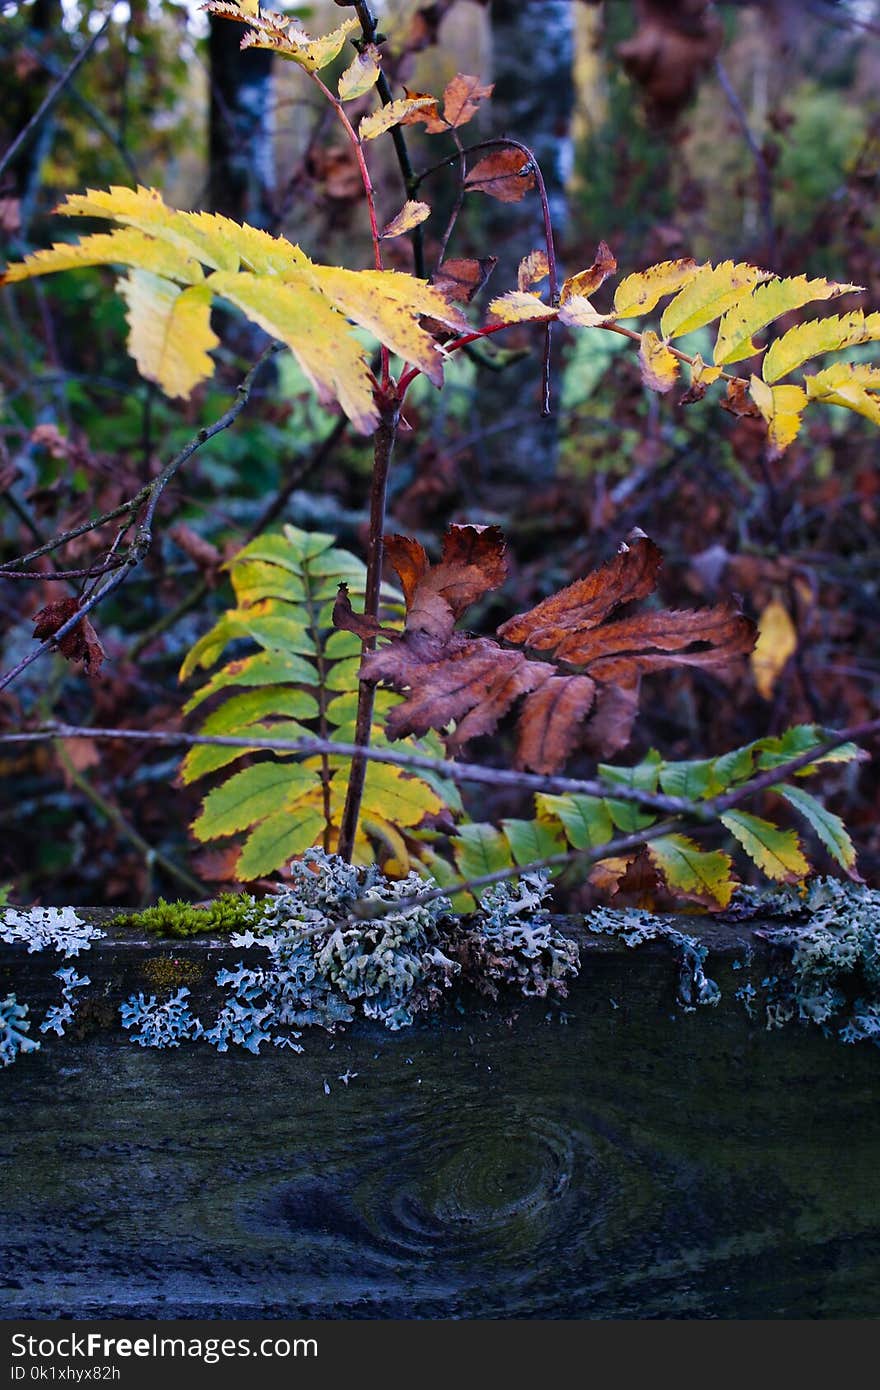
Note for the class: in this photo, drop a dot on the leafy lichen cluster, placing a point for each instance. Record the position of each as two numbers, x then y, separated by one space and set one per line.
827 967
325 965
14 1028
514 944
834 975
41 927
634 926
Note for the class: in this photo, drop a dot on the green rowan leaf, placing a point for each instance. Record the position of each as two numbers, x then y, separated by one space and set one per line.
704 875
776 852
828 827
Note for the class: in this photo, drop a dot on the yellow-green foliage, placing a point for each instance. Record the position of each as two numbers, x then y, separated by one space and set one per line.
304 305
690 872
744 301
300 682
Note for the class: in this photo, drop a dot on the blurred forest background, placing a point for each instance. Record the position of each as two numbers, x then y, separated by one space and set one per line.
749 131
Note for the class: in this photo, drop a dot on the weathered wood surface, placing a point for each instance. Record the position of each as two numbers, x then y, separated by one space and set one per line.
617 1160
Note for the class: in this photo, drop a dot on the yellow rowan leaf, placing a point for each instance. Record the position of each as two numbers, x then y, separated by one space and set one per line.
782 408
297 46
391 115
807 340
170 331
123 246
708 295
410 215
234 9
118 204
361 76
693 872
317 335
533 268
388 304
205 236
640 293
578 312
766 303
777 852
849 385
393 794
520 306
659 367
777 641
381 829
586 282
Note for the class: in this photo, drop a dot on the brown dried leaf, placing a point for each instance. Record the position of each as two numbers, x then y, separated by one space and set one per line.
450 677
462 98
533 268
461 101
588 281
738 401
506 175
674 44
552 720
202 552
462 279
631 575
344 617
80 643
471 563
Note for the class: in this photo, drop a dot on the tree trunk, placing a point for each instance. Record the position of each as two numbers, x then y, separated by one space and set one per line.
241 178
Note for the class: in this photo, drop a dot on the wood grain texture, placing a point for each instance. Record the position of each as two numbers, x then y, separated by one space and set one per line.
617 1159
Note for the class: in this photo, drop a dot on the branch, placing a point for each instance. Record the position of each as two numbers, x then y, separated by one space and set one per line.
46 105
469 772
410 180
384 440
762 168
368 908
143 537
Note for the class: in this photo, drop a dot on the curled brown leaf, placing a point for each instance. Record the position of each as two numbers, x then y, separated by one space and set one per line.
586 692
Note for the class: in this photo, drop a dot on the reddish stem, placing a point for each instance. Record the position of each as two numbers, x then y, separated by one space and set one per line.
383 446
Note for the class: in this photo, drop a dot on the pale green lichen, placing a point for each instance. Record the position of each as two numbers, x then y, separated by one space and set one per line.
633 927
326 964
41 927
14 1028
832 939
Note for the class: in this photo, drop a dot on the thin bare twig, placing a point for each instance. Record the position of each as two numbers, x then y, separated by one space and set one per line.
471 772
762 167
410 181
24 136
143 538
